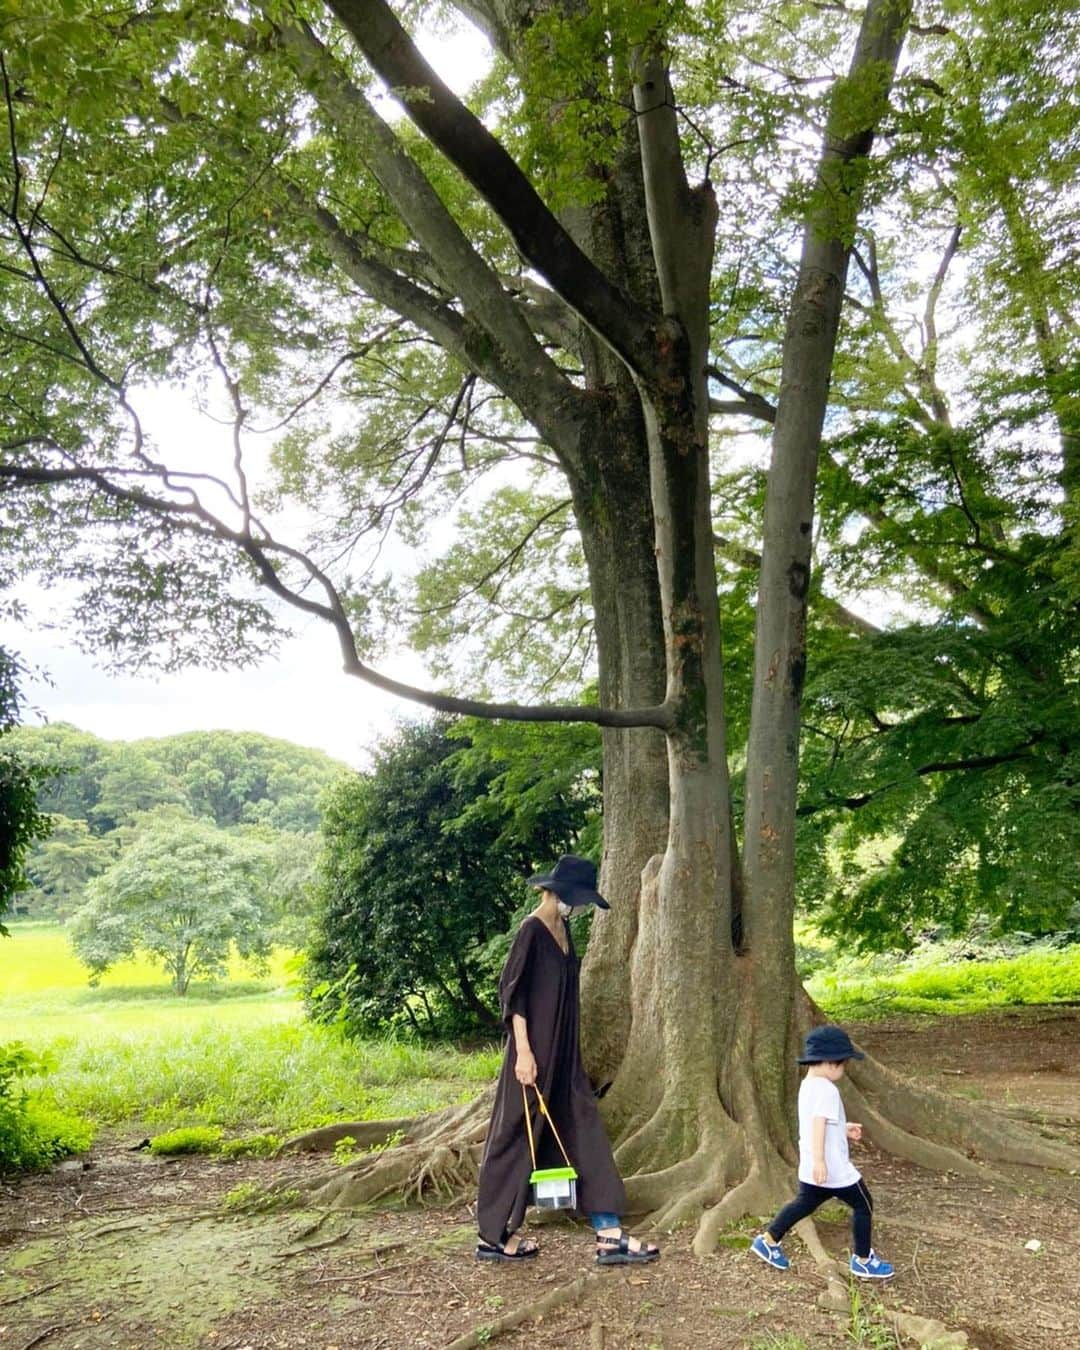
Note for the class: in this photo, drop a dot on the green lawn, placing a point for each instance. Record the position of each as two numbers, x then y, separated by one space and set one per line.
236 1054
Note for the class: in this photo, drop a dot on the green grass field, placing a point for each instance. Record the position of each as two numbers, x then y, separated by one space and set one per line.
859 990
240 1055
236 1054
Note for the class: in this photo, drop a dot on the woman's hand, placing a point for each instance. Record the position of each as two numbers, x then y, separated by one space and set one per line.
525 1067
854 1131
820 1174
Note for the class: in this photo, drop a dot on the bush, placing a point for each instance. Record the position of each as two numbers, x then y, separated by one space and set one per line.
33 1133
190 1139
251 1146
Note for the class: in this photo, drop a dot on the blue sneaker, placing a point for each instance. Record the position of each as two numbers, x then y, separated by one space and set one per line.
871 1267
770 1253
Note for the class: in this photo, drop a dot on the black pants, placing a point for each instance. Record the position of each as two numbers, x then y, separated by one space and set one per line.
813 1197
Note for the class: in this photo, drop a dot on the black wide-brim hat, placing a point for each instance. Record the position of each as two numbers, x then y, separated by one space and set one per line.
573 880
830 1045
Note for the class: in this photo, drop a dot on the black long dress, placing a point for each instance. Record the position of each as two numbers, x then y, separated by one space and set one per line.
540 983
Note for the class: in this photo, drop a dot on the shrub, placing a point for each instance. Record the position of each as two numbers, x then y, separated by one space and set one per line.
33 1133
251 1146
190 1139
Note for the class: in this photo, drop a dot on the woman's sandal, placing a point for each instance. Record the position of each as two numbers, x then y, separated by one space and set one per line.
618 1251
496 1251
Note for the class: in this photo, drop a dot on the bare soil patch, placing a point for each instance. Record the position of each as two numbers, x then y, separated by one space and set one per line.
137 1252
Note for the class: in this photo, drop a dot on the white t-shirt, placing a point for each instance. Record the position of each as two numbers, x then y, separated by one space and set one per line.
819 1097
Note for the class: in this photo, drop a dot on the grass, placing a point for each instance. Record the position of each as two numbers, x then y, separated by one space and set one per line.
1041 975
236 1055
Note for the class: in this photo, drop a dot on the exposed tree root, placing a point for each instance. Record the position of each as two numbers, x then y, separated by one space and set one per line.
30 1293
313 1246
365 1133
807 1230
440 1153
967 1127
554 1298
899 1142
758 1193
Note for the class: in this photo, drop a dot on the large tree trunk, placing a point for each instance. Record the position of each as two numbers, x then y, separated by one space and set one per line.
700 1106
616 529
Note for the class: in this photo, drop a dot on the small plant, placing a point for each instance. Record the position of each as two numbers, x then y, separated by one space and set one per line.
251 1198
865 1324
241 1197
251 1146
189 1139
345 1150
391 1141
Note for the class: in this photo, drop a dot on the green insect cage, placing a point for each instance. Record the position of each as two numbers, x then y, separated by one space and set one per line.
553 1187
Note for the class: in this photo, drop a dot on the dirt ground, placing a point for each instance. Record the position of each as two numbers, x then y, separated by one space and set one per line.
139 1252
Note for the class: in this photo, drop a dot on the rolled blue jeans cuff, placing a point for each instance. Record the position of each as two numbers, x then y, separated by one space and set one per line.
599 1221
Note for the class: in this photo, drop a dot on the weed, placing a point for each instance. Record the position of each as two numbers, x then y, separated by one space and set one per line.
241 1197
345 1151
866 1326
190 1139
251 1146
33 1132
237 1055
928 983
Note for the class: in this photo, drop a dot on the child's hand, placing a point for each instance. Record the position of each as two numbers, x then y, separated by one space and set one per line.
854 1131
821 1174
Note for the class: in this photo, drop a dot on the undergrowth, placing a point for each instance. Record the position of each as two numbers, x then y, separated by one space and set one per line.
277 1078
946 981
33 1133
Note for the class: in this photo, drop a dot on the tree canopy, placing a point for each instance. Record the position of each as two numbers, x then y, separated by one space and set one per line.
95 791
21 820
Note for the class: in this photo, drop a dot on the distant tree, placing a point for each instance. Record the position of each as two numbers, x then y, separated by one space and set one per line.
183 892
21 822
133 782
61 865
243 777
424 860
74 762
291 893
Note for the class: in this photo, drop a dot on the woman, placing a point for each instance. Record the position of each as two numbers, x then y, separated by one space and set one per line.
538 991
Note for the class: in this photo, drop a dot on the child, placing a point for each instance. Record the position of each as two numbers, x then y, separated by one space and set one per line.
825 1170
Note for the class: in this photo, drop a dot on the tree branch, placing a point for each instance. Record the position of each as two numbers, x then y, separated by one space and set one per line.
753 404
419 205
468 144
195 517
938 766
750 561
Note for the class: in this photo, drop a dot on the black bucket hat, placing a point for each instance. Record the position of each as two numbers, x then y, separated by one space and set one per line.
573 880
828 1044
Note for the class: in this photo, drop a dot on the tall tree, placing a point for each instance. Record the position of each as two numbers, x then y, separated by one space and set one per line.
594 320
